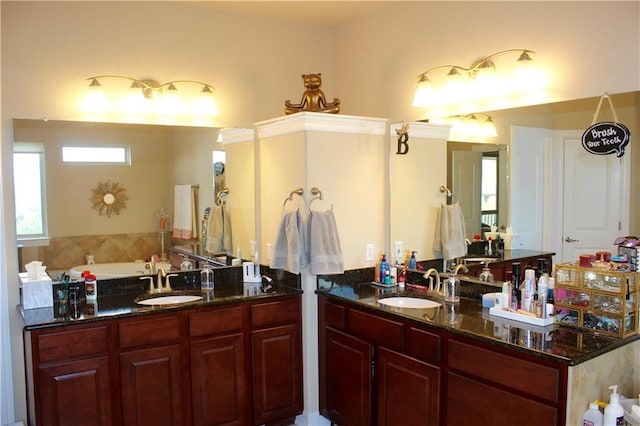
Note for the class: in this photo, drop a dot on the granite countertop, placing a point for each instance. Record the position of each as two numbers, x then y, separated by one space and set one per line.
555 343
117 298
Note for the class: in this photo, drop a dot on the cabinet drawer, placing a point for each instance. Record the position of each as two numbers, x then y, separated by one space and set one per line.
505 370
73 344
272 313
380 330
149 331
335 315
423 345
215 322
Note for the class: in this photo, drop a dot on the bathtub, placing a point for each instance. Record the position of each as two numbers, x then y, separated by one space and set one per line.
104 271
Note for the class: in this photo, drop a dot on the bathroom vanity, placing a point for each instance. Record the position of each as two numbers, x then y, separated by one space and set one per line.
235 358
454 364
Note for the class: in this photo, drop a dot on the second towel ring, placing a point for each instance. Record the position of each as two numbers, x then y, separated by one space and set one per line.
317 195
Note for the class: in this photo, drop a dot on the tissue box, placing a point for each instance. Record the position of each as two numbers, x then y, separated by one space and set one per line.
35 293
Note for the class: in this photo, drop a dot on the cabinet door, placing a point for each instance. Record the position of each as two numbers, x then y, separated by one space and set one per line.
347 393
277 373
151 386
75 393
492 406
218 381
408 390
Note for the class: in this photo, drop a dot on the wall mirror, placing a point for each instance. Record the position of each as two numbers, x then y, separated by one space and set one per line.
159 158
560 116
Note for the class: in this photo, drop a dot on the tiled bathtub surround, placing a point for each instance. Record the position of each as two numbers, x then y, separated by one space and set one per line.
63 253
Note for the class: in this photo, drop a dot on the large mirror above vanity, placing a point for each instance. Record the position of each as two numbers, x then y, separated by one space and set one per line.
412 220
160 157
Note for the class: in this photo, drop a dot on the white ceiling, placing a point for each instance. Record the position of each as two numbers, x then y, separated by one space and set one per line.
321 12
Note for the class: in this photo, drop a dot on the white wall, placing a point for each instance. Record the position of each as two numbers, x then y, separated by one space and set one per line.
49 48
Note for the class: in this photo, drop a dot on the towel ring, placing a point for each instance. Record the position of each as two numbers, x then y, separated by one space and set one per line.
221 196
299 191
317 195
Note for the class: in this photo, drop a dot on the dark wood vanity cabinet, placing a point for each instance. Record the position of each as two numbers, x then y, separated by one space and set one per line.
377 368
71 377
276 361
234 364
151 360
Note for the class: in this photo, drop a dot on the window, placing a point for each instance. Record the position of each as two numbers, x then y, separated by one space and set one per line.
95 154
28 180
489 196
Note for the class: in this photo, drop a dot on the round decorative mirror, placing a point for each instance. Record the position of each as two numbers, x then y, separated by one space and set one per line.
109 198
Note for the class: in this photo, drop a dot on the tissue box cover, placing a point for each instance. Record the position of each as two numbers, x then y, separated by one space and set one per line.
35 293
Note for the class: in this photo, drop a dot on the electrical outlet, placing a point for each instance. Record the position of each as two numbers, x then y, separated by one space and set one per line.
398 249
368 257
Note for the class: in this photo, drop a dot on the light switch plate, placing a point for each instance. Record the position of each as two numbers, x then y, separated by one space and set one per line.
369 252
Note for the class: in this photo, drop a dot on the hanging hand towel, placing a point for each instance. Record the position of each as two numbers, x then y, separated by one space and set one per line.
184 212
219 231
325 253
450 236
289 251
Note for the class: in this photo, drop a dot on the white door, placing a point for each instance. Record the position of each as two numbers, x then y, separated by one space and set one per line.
466 185
529 187
595 197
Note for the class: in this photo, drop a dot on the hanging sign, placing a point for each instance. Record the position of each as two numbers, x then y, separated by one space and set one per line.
606 137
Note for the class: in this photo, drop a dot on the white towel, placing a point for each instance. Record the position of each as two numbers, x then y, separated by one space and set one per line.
219 231
290 251
325 253
184 212
450 236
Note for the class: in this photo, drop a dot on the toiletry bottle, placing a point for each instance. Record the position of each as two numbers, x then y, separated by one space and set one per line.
412 261
550 285
613 412
91 287
506 294
528 288
537 306
384 268
402 277
206 278
593 416
515 280
542 292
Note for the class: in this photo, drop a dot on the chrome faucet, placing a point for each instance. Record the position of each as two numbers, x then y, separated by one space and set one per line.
427 275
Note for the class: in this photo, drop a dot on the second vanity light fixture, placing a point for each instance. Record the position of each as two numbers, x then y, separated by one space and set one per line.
150 96
468 87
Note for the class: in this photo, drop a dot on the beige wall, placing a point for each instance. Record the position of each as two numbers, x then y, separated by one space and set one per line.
49 48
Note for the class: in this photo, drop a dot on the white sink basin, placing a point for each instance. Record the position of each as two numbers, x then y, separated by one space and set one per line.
409 302
169 300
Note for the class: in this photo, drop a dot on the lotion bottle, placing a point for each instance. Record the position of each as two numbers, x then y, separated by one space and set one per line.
613 412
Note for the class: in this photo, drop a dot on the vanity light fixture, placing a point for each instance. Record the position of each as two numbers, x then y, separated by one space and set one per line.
469 127
468 87
150 96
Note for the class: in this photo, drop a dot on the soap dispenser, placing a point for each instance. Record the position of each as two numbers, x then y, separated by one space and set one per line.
613 412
